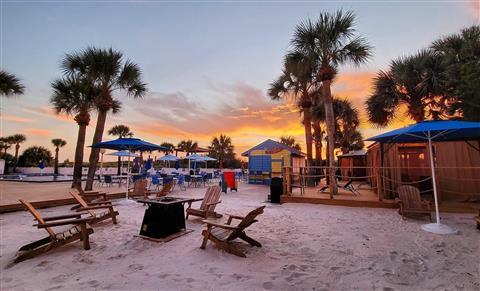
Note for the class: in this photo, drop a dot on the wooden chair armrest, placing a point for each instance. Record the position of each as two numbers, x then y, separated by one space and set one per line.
64 216
214 223
100 203
235 216
64 222
93 195
94 207
213 203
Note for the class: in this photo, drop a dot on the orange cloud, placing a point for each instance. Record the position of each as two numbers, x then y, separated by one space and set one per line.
18 119
38 131
47 112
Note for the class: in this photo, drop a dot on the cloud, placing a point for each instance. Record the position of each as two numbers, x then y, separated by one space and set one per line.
243 112
474 8
38 132
46 111
17 119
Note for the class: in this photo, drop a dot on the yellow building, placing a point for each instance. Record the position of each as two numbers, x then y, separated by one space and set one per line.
268 159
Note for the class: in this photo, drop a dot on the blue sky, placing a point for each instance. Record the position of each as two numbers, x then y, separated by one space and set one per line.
208 55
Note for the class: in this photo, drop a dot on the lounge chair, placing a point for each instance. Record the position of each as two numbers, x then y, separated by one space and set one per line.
107 207
92 195
223 234
411 202
167 188
209 202
80 231
139 190
347 186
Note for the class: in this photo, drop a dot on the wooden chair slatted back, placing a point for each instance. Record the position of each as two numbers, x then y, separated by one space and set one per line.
37 216
140 188
82 202
212 195
165 189
410 197
248 220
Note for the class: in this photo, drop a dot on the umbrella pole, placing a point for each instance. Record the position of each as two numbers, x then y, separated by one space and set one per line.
436 227
434 181
128 176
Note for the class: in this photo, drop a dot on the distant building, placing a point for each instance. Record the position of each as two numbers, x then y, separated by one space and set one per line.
268 159
353 165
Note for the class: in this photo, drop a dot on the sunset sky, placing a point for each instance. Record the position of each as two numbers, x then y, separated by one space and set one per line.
207 64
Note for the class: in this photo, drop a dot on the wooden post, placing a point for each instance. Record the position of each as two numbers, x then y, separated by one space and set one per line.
287 180
378 181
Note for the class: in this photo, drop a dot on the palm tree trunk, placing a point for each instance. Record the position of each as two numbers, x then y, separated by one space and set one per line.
119 163
317 131
56 161
97 137
307 122
77 166
330 122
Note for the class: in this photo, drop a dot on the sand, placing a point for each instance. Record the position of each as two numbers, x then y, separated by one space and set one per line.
305 247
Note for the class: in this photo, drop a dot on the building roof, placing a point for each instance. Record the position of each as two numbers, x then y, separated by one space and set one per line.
270 144
196 150
353 154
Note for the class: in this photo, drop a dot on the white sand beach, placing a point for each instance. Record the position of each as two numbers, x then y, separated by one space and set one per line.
305 247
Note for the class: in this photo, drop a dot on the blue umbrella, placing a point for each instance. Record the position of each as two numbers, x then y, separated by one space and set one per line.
433 131
129 144
169 158
123 154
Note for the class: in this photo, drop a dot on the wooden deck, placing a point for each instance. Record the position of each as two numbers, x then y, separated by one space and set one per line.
367 198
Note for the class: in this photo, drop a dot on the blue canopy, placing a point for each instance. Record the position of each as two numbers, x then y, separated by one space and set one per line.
123 154
130 144
446 130
169 158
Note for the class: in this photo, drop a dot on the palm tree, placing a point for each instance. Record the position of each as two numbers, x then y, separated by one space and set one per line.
170 147
9 84
188 146
330 42
74 97
6 143
291 142
34 155
57 143
122 131
16 140
222 149
461 77
414 82
297 80
106 70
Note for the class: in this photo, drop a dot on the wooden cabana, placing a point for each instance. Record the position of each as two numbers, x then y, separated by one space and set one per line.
457 166
353 164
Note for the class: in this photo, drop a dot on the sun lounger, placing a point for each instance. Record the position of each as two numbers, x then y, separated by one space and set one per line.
411 202
222 235
209 202
79 231
94 209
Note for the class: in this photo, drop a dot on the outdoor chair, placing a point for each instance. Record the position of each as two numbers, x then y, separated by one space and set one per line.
167 188
108 181
188 180
155 181
80 231
94 208
209 202
411 203
181 182
222 235
139 190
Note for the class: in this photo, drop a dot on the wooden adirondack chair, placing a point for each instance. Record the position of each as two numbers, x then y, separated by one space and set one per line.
107 207
477 219
91 196
209 202
411 203
139 189
167 188
223 234
79 231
